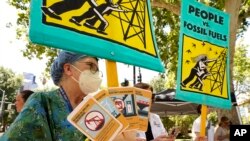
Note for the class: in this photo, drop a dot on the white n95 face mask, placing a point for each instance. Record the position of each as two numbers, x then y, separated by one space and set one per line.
89 82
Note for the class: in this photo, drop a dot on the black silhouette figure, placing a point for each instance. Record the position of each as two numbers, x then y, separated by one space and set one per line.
55 10
198 84
92 16
187 61
193 45
203 44
200 71
188 51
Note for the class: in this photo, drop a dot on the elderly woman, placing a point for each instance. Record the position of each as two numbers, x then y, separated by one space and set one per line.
44 116
21 98
222 131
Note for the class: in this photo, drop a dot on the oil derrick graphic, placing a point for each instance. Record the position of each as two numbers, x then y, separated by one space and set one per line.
218 71
133 25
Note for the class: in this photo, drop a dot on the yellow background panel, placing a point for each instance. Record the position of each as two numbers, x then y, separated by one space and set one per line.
216 83
135 22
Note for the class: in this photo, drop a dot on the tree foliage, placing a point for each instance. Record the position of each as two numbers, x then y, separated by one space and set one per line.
168 122
32 50
241 72
167 35
9 82
241 64
213 118
184 122
158 83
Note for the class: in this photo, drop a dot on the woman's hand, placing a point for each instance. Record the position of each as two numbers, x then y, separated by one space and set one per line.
201 138
140 139
164 137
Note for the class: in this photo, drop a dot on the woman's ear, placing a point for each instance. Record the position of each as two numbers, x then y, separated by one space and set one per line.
67 69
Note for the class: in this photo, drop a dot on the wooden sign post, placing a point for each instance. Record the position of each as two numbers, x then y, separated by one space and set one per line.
203 121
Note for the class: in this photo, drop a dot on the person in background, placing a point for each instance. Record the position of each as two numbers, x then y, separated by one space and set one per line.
222 131
156 130
44 115
196 128
21 98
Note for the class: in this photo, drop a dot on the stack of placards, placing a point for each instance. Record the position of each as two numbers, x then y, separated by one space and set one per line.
103 115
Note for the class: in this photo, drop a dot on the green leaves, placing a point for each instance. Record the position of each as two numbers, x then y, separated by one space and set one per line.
241 64
9 82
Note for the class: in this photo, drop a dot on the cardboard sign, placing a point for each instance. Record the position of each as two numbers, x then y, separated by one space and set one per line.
118 30
104 99
94 121
203 65
124 99
143 104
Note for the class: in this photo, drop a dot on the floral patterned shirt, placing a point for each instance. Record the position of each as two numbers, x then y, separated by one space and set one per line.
43 118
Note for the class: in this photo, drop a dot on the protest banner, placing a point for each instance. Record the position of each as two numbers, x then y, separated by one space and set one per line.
203 62
120 31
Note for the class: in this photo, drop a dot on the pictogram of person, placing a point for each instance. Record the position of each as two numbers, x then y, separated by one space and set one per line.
92 16
198 83
199 70
58 8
